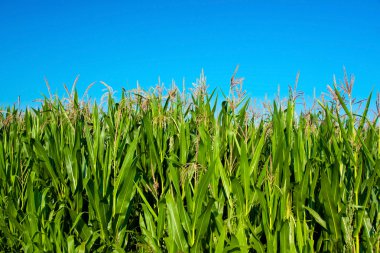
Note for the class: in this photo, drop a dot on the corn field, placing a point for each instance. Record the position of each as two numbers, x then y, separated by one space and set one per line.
182 172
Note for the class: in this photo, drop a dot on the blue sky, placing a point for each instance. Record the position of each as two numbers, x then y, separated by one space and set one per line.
120 42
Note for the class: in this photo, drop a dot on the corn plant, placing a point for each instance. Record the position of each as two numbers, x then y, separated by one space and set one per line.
181 172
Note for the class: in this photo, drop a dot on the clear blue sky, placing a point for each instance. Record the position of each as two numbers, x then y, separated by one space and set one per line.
120 42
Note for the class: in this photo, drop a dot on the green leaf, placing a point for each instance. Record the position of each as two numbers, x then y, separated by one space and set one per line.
203 223
330 207
175 227
317 217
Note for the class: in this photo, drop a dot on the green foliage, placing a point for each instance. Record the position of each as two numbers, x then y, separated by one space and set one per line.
154 173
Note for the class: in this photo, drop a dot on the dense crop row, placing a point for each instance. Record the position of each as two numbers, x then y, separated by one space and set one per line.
177 174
